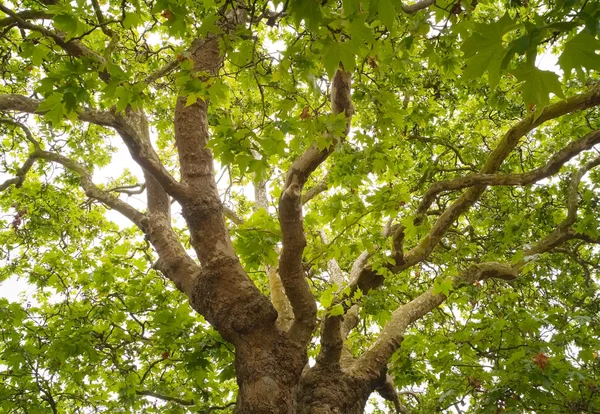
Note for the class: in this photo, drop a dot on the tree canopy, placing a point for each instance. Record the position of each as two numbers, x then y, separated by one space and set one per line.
323 199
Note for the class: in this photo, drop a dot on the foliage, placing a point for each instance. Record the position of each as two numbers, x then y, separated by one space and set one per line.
433 93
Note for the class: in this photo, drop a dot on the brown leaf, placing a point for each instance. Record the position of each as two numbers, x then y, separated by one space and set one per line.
167 14
474 382
540 360
372 62
305 113
456 9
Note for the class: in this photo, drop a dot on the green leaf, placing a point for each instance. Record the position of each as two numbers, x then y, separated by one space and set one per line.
360 32
537 85
69 24
124 97
335 53
484 49
38 54
308 11
443 286
580 52
191 99
337 310
386 11
131 20
327 297
53 108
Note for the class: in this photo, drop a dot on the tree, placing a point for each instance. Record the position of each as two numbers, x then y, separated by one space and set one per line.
339 198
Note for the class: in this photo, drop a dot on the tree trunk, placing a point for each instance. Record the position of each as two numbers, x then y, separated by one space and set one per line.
276 380
268 368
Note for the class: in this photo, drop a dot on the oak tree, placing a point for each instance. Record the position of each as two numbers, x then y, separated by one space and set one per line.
325 200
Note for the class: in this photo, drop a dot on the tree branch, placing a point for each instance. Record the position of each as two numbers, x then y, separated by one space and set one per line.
280 301
85 178
20 103
563 231
232 215
73 47
385 387
92 191
418 6
18 180
507 143
223 294
101 20
367 278
130 189
375 358
445 144
174 262
163 71
552 167
24 128
315 190
26 15
291 270
130 127
392 334
336 328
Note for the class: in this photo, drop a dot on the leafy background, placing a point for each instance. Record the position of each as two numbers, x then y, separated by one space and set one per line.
433 92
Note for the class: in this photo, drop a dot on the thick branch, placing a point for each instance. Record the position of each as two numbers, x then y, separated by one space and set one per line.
174 262
163 71
223 294
504 147
73 47
369 279
280 301
129 126
173 64
25 15
85 178
392 334
563 231
290 219
336 328
315 191
91 190
374 359
232 215
20 103
551 168
333 335
418 6
385 387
